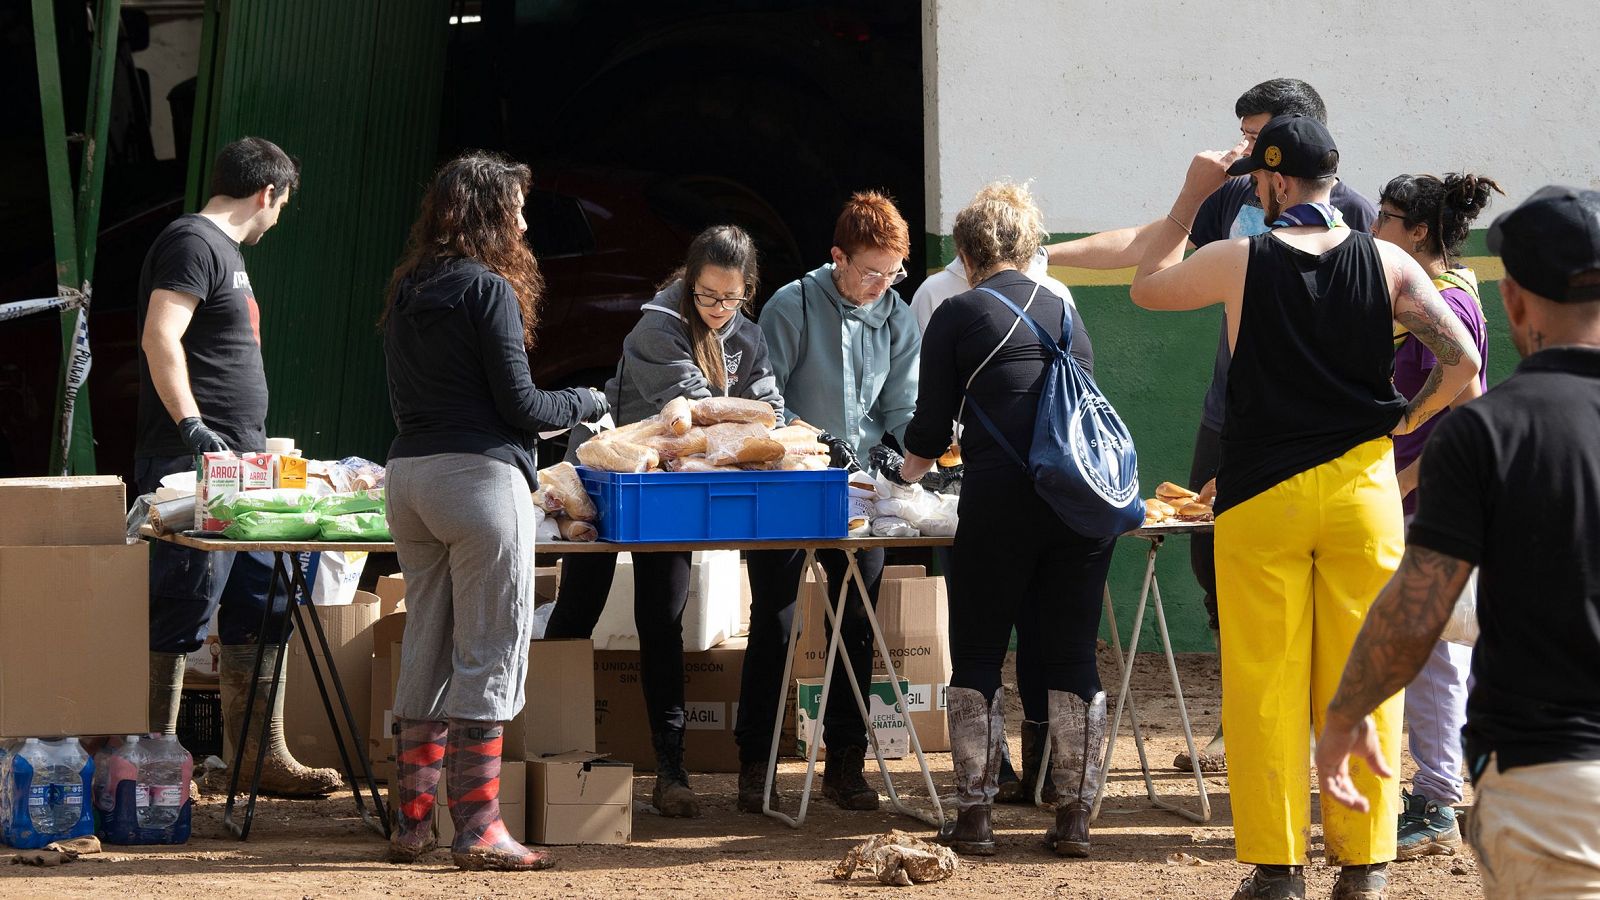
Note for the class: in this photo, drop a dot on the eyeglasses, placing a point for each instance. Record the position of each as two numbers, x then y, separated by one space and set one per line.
1384 216
869 276
712 301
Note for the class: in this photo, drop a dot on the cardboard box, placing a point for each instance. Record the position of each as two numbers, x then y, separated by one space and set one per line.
258 471
710 614
885 717
349 629
77 510
513 803
220 474
558 710
291 471
914 612
711 696
391 591
379 741
546 583
74 658
579 798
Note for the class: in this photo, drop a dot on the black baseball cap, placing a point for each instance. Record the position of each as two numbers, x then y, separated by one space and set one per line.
1296 146
1550 237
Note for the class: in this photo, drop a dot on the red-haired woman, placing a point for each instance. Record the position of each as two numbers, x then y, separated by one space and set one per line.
461 311
845 349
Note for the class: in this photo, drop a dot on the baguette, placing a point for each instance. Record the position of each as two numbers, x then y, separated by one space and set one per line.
575 530
634 433
561 481
799 440
671 446
694 463
618 456
678 415
733 442
716 410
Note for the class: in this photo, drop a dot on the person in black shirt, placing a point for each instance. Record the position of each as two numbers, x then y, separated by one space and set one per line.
1308 507
459 321
1510 483
1231 211
1039 574
202 388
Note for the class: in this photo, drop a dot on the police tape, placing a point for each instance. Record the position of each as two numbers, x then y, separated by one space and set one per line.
66 299
77 373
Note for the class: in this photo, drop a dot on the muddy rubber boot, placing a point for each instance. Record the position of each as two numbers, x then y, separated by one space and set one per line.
672 796
977 734
472 773
166 691
419 750
1077 738
844 782
1034 766
752 780
281 774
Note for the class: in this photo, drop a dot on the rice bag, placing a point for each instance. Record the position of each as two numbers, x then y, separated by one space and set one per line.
361 526
352 502
255 525
227 507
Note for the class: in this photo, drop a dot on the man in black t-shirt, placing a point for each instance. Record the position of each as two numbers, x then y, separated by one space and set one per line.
202 388
1232 211
1511 484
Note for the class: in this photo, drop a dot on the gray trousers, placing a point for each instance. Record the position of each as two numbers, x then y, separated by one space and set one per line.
463 526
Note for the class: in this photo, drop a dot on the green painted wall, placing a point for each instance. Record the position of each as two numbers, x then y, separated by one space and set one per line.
1155 367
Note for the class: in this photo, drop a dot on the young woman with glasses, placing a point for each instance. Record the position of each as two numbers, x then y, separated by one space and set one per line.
1429 217
691 341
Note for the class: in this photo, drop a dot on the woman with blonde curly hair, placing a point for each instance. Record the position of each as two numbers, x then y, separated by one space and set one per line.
1051 577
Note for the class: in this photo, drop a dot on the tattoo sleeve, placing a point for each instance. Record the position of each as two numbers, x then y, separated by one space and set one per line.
1400 630
1437 328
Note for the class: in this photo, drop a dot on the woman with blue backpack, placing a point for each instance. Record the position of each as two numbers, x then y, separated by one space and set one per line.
986 366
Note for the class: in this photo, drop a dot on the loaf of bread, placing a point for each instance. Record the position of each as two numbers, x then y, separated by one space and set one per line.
634 433
561 481
546 500
672 446
575 530
734 442
618 456
677 414
799 440
716 410
693 463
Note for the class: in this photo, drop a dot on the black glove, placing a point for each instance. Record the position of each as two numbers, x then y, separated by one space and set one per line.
596 407
200 438
840 454
888 463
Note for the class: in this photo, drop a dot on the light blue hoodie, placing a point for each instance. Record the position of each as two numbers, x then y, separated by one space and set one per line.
849 370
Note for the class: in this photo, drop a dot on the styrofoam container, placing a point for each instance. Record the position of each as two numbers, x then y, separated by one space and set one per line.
710 616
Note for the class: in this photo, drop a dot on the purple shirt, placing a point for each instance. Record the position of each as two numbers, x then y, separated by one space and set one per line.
1413 362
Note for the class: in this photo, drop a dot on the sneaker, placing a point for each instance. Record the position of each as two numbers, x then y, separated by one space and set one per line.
1426 828
1273 883
1369 882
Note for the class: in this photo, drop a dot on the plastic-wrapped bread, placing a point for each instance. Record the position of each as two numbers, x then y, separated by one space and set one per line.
809 462
672 446
546 501
561 480
733 442
575 530
618 456
634 433
799 440
693 463
716 410
678 415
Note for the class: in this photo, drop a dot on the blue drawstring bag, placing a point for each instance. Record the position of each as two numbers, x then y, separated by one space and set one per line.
1082 461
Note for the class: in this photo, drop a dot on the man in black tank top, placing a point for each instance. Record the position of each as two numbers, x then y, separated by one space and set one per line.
1308 522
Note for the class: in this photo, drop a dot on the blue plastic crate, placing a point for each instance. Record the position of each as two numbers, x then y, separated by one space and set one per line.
718 506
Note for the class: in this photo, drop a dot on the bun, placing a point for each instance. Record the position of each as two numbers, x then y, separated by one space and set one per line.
1195 512
951 457
1168 491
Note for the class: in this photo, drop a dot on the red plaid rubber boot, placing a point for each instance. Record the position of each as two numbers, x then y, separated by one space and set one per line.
472 765
419 760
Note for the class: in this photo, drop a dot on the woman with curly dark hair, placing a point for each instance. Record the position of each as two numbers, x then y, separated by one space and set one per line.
458 324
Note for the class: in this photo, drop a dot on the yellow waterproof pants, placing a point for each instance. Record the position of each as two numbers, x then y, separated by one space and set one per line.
1297 568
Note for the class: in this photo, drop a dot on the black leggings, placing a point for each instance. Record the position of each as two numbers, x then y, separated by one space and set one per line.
774 578
1019 566
660 591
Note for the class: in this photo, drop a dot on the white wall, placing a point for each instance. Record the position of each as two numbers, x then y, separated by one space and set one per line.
1101 103
173 56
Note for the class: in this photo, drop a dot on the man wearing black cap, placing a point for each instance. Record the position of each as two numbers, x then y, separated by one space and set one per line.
1511 484
1308 509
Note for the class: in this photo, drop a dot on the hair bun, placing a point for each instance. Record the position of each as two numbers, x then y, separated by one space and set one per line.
1469 193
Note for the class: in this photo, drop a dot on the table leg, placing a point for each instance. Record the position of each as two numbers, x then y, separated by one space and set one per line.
783 702
1204 815
379 823
241 830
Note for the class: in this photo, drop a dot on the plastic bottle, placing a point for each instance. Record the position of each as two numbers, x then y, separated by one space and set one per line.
164 775
51 798
121 765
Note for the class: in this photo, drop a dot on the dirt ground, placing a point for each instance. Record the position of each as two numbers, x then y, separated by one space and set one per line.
306 849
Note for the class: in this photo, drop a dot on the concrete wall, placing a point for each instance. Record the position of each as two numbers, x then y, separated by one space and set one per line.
1101 104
